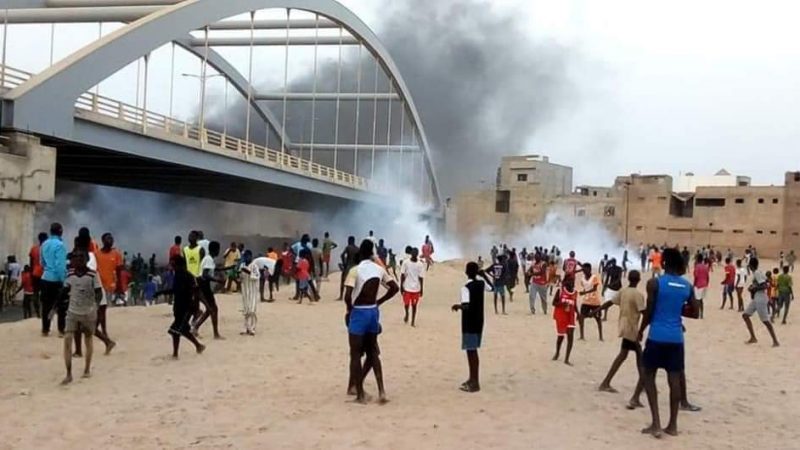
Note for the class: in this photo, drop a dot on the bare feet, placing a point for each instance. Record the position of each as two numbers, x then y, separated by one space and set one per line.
671 430
752 341
200 349
633 404
352 391
86 375
219 337
776 344
690 407
567 362
77 355
652 430
609 389
382 399
67 380
175 357
110 347
555 357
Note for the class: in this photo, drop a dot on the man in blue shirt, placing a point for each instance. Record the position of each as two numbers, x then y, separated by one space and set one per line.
667 300
54 263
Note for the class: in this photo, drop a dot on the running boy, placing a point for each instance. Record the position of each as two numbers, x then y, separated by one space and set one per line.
184 306
471 308
631 304
728 283
759 304
589 285
565 308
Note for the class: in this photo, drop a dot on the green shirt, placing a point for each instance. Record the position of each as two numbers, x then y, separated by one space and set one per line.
784 284
327 246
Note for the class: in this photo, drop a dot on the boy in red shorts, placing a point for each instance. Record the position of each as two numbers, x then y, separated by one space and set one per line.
565 304
412 279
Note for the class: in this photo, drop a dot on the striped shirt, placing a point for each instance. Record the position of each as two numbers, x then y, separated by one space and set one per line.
82 292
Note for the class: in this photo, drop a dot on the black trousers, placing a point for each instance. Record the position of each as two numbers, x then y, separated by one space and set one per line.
51 293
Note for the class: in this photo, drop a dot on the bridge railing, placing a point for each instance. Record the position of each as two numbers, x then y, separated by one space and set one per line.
123 115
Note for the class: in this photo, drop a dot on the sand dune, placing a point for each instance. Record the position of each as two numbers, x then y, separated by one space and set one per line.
285 387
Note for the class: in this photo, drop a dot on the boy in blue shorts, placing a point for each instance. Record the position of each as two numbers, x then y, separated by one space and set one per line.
471 308
363 319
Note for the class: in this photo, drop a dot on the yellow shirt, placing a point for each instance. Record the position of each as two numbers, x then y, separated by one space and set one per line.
592 298
232 257
192 256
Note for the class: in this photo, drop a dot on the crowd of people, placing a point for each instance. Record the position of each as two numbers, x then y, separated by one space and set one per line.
77 287
582 294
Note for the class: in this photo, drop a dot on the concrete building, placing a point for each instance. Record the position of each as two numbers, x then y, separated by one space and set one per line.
722 216
637 208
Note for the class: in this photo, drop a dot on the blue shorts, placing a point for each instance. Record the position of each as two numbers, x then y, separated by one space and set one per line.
364 321
500 289
471 341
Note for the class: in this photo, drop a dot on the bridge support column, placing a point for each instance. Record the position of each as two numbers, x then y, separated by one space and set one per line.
27 177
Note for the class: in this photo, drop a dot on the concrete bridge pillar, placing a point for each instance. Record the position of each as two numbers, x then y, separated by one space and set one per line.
27 177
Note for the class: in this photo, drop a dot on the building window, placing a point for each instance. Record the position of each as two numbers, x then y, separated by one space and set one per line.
797 176
661 228
739 201
679 207
610 211
759 231
662 198
710 202
640 228
580 213
738 231
522 177
795 234
773 232
774 201
594 193
502 202
761 201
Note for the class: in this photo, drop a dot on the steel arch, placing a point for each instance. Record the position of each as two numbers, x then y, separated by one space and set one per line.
45 103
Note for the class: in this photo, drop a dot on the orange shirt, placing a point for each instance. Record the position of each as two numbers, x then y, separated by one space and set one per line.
272 255
107 264
656 260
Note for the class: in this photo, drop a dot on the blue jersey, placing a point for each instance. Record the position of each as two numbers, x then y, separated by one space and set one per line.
666 324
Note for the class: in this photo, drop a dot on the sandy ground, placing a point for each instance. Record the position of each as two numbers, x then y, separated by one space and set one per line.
285 387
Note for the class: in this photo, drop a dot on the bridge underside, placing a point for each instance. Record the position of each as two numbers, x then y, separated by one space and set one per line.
98 166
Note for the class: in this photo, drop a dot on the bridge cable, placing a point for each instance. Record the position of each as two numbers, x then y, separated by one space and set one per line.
374 119
285 83
203 79
250 83
5 47
338 102
358 111
314 97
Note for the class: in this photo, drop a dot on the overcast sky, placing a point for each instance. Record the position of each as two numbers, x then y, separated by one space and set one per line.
655 87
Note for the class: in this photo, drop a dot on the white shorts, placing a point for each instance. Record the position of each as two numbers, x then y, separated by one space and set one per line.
700 293
609 295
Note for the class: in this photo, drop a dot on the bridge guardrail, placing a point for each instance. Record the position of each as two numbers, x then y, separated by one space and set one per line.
148 120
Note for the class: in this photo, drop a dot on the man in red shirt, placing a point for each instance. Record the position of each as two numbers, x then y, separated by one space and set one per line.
571 266
28 293
36 267
538 287
701 280
175 250
729 283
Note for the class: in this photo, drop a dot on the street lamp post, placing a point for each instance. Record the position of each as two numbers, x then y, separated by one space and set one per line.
627 209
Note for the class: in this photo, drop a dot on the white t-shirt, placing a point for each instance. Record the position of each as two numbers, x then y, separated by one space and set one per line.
363 272
741 277
204 243
264 262
414 272
207 263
